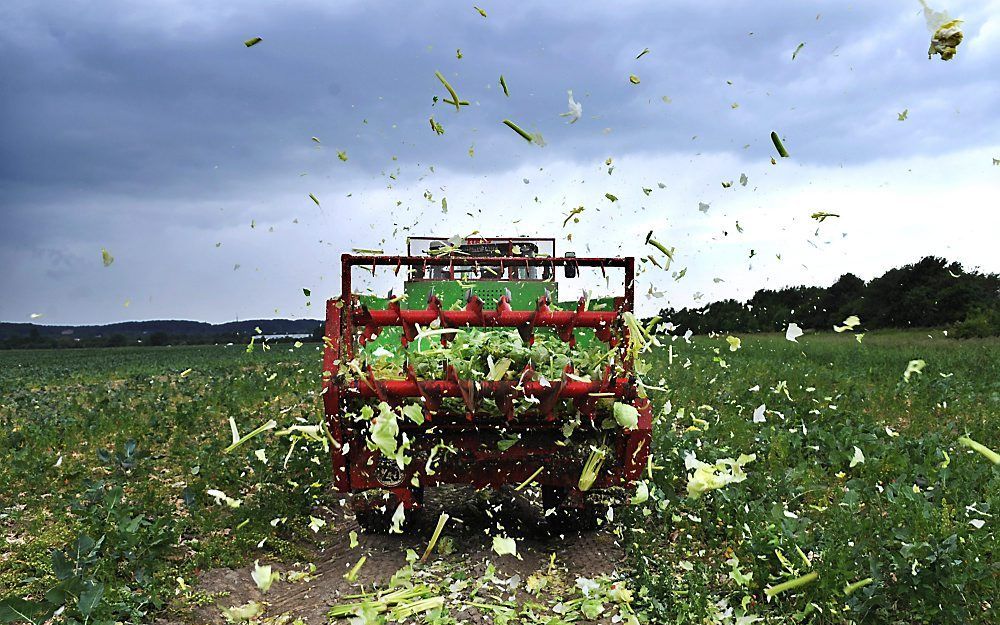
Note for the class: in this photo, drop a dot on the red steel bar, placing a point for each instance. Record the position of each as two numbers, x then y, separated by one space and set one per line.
455 259
446 388
488 318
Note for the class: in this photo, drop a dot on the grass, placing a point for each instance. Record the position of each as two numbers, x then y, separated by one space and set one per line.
66 419
903 517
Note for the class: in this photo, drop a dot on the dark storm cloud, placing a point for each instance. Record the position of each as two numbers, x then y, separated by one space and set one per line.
114 99
152 118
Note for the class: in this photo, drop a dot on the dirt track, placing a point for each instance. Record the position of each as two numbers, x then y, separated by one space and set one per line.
472 524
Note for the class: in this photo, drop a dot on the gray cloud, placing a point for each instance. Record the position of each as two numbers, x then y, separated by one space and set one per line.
152 125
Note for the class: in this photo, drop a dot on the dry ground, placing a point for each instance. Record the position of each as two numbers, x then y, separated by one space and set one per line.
577 554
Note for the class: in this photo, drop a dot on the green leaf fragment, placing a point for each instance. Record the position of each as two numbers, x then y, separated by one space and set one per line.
263 576
987 453
849 324
252 41
644 52
850 589
414 412
626 415
708 477
384 430
611 197
797 50
778 145
243 613
792 584
481 11
914 366
504 546
632 78
821 216
530 479
447 85
503 85
858 457
106 257
641 494
89 598
314 199
573 215
222 498
342 155
668 252
946 39
524 135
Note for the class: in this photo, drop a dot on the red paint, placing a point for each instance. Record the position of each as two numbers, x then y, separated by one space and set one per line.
478 460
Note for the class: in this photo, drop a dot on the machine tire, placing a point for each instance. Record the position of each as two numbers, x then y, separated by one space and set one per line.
374 514
570 516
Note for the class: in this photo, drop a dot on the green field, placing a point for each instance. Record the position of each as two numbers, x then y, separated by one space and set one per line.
917 516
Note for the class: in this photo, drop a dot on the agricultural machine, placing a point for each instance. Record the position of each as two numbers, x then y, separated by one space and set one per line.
488 284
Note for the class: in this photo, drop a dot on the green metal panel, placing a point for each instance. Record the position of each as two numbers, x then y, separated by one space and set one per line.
524 295
452 295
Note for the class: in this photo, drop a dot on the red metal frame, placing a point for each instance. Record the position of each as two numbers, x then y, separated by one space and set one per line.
349 324
478 240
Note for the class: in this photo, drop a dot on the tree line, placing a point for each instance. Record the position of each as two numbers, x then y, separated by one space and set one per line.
931 292
34 339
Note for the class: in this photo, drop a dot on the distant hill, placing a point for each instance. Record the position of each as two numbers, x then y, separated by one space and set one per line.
139 329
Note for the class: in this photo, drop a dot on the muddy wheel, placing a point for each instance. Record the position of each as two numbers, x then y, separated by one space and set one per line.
374 509
572 514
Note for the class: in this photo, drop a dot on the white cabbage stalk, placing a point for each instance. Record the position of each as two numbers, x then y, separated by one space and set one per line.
263 576
353 573
238 440
398 517
435 536
591 468
575 109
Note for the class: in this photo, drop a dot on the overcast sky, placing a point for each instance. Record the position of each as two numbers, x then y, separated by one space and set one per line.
149 129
